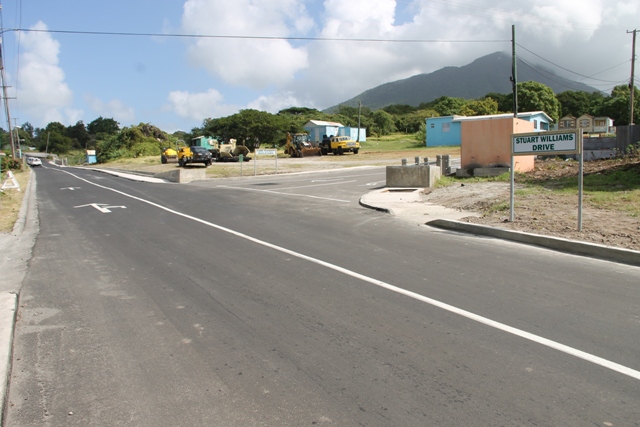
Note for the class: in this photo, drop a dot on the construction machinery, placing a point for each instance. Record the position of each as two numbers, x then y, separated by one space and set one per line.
338 145
222 152
169 155
194 154
299 145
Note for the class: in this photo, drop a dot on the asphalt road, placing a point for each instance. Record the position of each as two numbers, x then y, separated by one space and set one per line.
279 301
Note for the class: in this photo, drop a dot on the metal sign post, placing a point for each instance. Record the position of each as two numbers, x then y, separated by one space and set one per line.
264 152
547 144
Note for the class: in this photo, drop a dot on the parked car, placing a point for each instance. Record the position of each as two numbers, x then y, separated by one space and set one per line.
34 161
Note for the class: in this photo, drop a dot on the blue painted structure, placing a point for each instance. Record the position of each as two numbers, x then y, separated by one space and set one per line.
207 142
317 129
352 133
442 131
91 157
446 130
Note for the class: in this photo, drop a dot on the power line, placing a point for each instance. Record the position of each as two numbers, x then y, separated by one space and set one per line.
241 37
570 71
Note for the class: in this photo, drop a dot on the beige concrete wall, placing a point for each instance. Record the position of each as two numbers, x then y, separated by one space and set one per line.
414 176
487 143
182 175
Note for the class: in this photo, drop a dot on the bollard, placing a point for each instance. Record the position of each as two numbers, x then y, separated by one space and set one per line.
438 160
404 162
426 160
446 163
417 160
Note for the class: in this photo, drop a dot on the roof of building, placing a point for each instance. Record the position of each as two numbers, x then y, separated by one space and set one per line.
323 123
500 116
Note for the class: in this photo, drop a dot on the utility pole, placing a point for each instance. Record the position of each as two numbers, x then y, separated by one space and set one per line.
514 72
632 84
6 104
359 109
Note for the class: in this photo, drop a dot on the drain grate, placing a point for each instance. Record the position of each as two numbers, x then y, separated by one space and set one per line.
402 190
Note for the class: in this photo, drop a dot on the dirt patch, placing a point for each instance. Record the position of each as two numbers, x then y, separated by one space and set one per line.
548 212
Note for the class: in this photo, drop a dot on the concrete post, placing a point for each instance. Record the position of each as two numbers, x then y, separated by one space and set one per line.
417 160
404 162
426 160
438 160
446 163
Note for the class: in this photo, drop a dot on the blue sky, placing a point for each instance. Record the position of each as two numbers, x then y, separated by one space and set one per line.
176 82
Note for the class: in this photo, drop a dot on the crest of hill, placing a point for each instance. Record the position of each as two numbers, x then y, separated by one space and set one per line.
490 73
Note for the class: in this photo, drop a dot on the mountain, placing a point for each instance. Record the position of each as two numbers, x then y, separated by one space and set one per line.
490 73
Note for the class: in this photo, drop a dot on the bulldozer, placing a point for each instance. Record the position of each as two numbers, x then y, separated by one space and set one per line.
299 145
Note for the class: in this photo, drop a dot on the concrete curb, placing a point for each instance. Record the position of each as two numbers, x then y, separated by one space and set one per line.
8 312
364 204
593 250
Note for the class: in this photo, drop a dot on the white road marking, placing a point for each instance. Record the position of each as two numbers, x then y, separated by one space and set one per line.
283 194
102 207
452 309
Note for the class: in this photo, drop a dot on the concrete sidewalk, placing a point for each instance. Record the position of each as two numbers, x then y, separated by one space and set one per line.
15 252
408 205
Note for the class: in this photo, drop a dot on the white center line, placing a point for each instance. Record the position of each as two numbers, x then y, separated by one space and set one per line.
469 315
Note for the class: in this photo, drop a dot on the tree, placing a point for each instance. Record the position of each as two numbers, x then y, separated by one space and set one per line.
28 128
575 103
616 106
249 127
299 111
103 126
383 122
399 109
504 100
447 106
480 107
53 139
79 136
534 96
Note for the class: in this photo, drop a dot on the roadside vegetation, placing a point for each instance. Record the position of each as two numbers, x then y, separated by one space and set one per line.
609 184
254 128
11 199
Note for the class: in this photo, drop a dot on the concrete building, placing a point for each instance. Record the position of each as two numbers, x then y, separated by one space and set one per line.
446 130
487 143
317 129
589 124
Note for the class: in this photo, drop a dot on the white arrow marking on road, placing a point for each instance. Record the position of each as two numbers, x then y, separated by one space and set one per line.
71 188
102 207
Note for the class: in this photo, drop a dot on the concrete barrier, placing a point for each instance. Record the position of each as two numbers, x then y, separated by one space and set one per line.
415 176
182 175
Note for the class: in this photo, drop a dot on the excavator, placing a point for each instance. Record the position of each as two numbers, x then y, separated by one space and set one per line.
299 145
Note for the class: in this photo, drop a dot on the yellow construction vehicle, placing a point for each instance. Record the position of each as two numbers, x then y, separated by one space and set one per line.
339 145
169 155
299 145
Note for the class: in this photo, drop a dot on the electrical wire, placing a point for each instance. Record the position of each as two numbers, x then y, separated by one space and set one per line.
573 72
218 36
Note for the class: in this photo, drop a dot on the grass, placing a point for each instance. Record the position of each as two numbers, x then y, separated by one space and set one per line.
11 200
399 143
613 187
446 181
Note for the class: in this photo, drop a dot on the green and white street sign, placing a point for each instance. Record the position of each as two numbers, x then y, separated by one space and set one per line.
546 143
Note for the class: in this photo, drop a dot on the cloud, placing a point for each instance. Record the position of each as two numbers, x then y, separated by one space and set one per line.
199 106
42 91
247 62
114 109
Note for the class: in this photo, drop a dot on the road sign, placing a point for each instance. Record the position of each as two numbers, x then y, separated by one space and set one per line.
547 143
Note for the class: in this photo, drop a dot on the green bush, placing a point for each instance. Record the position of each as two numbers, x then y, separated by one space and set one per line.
11 163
